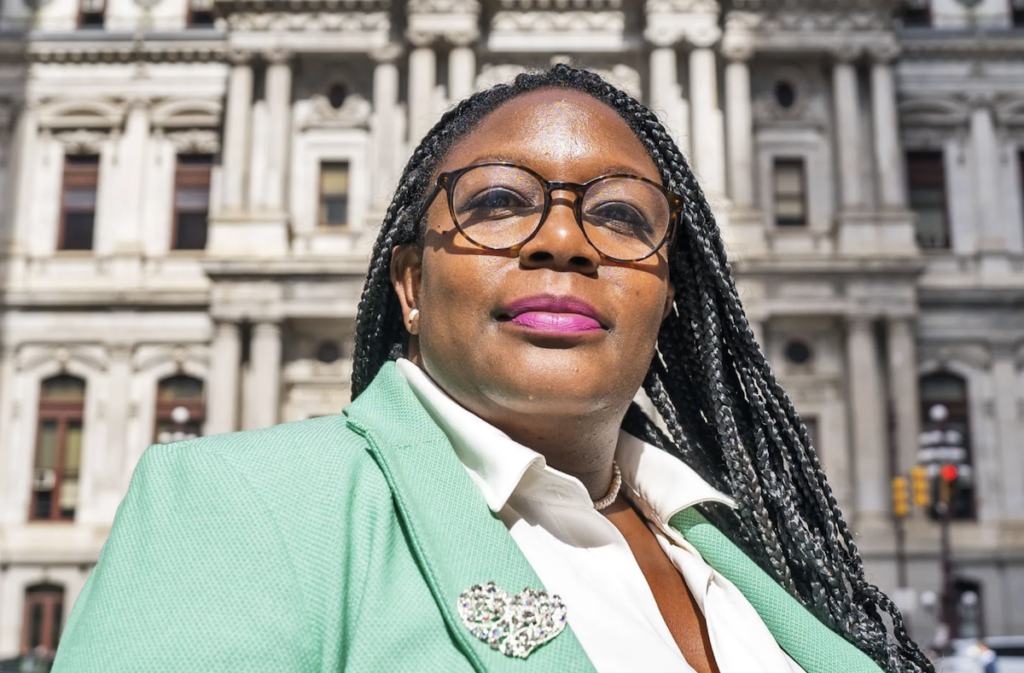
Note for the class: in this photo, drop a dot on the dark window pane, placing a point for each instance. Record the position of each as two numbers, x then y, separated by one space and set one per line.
63 388
44 501
926 191
78 229
80 198
35 629
180 388
200 19
58 620
334 186
790 193
191 233
82 159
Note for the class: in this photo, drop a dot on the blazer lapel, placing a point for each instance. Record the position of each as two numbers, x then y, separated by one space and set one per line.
457 540
813 645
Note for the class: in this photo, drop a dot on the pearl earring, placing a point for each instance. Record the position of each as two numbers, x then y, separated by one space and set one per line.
413 314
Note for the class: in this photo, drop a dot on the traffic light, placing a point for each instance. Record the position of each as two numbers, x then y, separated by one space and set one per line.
922 486
948 474
900 501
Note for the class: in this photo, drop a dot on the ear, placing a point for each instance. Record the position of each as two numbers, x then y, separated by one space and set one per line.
406 271
670 298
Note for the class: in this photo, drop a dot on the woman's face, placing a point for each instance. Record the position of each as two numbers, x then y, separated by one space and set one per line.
485 330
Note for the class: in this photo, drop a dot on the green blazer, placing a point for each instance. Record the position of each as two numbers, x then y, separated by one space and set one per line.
339 544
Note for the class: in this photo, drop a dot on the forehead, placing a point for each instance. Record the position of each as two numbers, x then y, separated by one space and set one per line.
563 135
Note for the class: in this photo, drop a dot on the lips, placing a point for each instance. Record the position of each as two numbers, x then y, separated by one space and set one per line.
559 315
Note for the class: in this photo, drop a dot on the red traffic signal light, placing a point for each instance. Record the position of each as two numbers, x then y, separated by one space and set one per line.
949 473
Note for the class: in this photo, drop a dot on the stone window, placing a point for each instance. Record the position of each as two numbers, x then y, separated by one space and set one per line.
926 190
790 186
946 438
1017 13
798 352
91 14
44 616
78 202
200 14
191 201
916 13
58 449
334 194
180 410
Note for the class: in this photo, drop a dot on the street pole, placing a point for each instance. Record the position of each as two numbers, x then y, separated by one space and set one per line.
949 603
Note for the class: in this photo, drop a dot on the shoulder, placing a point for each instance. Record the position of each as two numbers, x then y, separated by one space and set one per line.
290 470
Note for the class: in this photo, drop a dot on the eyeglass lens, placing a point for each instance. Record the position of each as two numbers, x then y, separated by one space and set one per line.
501 206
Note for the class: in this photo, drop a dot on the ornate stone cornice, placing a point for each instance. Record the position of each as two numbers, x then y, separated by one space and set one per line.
559 22
195 141
225 7
960 44
170 51
331 22
82 141
561 5
355 112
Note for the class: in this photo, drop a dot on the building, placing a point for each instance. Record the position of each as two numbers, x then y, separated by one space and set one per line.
189 190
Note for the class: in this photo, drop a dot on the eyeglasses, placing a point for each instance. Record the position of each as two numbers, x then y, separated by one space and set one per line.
501 206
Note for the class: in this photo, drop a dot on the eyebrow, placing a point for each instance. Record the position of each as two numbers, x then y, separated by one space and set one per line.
613 169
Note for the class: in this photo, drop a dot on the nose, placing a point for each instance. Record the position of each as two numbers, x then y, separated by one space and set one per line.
560 244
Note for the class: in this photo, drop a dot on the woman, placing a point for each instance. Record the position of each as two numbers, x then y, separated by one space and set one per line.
548 253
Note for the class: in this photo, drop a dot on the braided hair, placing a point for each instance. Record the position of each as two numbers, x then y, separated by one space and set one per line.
726 415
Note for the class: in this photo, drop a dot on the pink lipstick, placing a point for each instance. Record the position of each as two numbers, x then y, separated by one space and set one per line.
564 315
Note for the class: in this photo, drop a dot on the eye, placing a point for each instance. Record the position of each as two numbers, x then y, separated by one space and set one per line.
621 218
496 202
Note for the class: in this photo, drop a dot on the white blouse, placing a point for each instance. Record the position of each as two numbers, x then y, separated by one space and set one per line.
583 558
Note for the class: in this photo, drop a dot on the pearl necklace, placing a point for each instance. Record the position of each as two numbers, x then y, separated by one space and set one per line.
613 490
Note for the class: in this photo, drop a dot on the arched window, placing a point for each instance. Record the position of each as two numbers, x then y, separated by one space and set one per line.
58 449
44 616
946 436
179 409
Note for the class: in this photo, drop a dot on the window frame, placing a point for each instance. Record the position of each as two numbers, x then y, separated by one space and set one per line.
196 406
191 13
76 171
102 14
63 412
321 197
48 596
190 174
959 411
940 169
919 17
801 162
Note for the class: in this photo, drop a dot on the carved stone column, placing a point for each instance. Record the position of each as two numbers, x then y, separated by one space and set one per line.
119 373
422 84
867 421
847 116
903 389
888 152
740 128
222 387
279 105
387 124
236 134
133 164
708 127
263 395
21 169
985 151
461 67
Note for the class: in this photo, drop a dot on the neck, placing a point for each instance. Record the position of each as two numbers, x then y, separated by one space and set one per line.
580 447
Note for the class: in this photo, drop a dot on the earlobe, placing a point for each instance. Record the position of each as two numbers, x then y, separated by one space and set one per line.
406 271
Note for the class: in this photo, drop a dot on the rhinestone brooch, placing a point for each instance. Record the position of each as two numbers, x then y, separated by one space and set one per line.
513 625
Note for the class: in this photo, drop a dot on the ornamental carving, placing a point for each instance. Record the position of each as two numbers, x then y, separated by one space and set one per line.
561 5
933 111
82 141
808 104
444 7
195 141
327 22
793 21
559 22
355 112
681 7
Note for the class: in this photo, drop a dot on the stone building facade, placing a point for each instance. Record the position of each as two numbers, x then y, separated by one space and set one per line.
189 190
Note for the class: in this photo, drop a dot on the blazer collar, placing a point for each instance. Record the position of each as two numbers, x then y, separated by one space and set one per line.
456 539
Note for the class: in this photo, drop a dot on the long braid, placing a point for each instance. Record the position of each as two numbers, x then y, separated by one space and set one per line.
724 412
